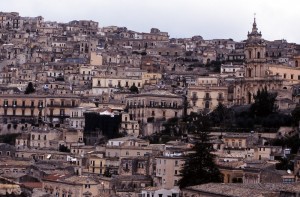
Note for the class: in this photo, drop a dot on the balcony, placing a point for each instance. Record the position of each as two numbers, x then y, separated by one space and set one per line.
194 98
165 106
20 106
207 98
220 99
58 116
135 106
59 105
234 148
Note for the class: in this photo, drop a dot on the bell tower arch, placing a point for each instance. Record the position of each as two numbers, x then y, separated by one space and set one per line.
255 50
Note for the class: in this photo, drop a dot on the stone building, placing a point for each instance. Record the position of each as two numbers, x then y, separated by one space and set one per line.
154 107
257 76
207 94
167 171
62 185
32 108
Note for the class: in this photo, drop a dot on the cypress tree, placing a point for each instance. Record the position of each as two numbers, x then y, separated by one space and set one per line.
29 89
200 167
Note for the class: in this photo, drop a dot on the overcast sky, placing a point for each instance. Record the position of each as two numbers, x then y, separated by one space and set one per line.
276 19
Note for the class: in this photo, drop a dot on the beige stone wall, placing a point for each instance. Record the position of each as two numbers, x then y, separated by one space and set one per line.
207 97
96 165
290 75
168 171
116 82
235 142
158 107
41 139
123 152
96 59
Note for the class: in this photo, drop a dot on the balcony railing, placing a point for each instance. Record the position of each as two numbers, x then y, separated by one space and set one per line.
21 106
165 106
234 148
207 98
221 98
136 106
194 97
58 116
60 105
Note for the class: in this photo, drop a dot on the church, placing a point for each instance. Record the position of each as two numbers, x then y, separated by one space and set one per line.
257 75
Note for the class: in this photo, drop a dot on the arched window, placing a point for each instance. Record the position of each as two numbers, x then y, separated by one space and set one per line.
249 54
207 104
258 55
249 72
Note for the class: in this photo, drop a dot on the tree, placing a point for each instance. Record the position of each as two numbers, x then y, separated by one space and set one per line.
197 122
134 89
220 115
63 148
296 115
29 89
264 103
200 167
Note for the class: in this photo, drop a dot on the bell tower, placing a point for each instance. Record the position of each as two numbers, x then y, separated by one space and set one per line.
255 50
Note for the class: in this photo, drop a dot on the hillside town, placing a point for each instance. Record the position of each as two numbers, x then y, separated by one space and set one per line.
92 111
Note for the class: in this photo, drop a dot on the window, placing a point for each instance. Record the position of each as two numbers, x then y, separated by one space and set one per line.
175 182
151 103
152 113
206 104
40 104
207 95
292 76
62 112
220 95
175 172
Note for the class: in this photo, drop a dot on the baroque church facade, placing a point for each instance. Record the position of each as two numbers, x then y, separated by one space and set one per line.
257 75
